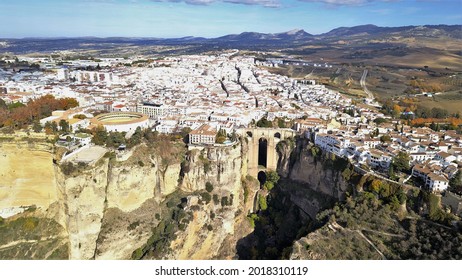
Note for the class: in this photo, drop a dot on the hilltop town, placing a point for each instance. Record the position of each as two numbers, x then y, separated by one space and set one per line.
211 97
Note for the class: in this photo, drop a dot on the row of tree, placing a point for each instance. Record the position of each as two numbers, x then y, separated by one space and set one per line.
18 115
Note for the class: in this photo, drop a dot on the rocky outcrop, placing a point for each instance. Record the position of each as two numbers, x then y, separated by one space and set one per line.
112 187
110 209
130 185
216 225
122 232
82 200
297 162
221 166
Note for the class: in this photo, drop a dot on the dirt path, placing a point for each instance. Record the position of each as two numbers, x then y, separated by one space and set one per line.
337 226
372 244
14 243
363 85
384 233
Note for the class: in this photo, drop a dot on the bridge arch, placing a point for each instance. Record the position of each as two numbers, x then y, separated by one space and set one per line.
261 177
277 135
263 152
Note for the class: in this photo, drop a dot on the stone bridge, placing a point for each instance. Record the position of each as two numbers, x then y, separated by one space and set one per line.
262 154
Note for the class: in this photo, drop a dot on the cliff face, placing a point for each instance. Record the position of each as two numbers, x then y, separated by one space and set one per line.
82 200
296 162
92 199
110 209
310 182
218 224
221 166
129 186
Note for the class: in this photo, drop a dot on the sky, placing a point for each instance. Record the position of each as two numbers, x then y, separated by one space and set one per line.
211 18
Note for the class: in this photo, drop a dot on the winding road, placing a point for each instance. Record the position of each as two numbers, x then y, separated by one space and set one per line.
363 85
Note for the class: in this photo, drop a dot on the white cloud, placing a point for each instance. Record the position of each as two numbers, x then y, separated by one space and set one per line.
264 3
347 2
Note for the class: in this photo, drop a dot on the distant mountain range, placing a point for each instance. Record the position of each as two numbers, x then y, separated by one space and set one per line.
370 31
249 40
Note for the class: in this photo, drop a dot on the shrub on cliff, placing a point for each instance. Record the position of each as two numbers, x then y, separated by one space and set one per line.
224 201
262 202
209 187
206 197
216 199
272 177
68 168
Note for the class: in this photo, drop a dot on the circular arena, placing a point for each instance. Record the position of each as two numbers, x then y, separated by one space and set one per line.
121 121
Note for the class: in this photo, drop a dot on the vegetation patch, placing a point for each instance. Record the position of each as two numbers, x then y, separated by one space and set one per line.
32 238
393 236
175 219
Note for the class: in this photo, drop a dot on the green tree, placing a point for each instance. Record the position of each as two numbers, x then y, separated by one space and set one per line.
115 139
15 105
136 138
64 125
54 127
385 138
272 176
263 122
456 182
221 136
281 123
48 128
206 197
401 162
99 135
380 120
391 172
224 201
36 127
220 139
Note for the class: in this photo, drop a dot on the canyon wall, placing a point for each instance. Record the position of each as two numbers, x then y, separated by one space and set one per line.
109 209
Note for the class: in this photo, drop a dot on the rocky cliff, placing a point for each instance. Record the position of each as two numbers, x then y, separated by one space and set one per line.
114 207
300 161
216 206
110 209
100 202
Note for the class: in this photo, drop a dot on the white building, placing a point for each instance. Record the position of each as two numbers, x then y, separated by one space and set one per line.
436 182
63 74
153 110
205 134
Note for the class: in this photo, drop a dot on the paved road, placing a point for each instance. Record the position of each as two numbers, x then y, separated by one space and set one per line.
363 85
